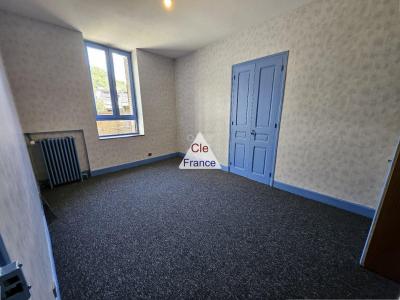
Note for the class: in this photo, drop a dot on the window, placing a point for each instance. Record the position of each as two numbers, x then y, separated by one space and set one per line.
113 91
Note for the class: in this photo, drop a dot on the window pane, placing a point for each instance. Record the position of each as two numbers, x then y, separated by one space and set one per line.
116 127
122 83
101 86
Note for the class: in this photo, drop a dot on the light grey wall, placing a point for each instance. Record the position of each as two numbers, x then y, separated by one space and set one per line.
22 225
51 86
341 108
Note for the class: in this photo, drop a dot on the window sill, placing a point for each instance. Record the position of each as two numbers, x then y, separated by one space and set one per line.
120 136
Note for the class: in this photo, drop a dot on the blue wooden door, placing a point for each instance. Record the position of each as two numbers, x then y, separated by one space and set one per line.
257 93
242 94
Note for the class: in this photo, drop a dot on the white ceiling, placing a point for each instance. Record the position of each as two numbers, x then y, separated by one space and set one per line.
130 24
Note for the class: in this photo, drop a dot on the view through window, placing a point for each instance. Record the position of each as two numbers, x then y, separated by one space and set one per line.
111 74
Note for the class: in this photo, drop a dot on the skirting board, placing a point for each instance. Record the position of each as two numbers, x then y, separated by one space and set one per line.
223 168
342 204
339 203
133 164
51 257
141 163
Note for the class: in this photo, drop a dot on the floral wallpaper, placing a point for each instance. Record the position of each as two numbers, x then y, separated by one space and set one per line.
341 111
50 81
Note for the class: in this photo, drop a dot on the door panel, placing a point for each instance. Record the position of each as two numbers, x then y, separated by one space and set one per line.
242 90
240 158
265 110
259 155
256 105
243 97
265 89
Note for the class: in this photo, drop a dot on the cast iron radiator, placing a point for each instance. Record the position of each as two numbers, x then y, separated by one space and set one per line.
61 160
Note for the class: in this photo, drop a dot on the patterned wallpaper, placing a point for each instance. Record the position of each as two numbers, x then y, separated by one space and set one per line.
340 115
22 227
51 86
341 111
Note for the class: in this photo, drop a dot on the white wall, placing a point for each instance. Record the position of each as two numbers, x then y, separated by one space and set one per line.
22 224
51 85
341 108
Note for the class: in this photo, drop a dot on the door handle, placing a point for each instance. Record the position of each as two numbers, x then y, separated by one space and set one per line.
253 132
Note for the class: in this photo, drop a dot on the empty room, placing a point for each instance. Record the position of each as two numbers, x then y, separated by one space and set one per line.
199 149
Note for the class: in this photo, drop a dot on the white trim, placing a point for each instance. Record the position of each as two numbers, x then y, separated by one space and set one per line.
108 137
138 93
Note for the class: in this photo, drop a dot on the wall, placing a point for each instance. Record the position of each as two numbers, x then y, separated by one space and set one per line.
50 81
341 109
22 224
340 114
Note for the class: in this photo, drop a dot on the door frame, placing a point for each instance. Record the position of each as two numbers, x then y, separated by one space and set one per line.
285 58
395 158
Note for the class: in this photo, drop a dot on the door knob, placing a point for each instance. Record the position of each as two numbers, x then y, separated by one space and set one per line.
253 132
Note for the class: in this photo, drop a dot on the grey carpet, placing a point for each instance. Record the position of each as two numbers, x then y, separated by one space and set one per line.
160 232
